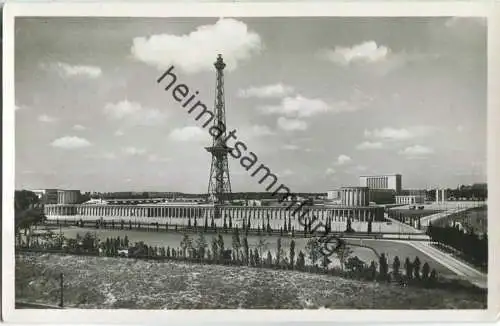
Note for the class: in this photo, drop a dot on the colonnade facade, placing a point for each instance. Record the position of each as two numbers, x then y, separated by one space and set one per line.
355 196
410 200
440 195
129 212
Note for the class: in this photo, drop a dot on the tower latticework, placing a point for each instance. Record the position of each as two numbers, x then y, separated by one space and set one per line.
219 184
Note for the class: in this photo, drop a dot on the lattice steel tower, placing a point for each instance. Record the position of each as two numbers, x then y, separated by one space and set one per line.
219 184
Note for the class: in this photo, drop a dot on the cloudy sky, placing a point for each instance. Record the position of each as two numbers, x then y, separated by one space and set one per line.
320 101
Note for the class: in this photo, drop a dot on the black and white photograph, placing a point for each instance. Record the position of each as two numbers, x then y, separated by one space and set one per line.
313 163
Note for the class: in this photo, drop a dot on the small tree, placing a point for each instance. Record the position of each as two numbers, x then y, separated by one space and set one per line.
369 226
206 223
292 253
433 276
301 261
279 252
215 249
189 222
313 250
246 250
195 224
220 243
408 268
373 270
261 247
425 271
201 246
349 228
383 266
236 243
269 260
256 257
186 245
230 222
416 268
395 266
343 253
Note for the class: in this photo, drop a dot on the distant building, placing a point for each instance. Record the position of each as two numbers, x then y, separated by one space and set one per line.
382 196
354 196
47 196
68 196
392 181
410 199
334 196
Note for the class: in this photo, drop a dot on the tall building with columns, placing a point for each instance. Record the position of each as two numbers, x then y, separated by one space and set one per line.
441 196
389 181
354 196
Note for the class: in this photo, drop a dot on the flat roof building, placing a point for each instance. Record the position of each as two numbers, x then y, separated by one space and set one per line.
388 181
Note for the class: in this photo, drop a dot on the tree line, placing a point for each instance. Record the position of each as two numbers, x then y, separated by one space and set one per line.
473 247
240 253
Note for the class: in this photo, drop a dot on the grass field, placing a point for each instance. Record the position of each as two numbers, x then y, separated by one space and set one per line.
96 282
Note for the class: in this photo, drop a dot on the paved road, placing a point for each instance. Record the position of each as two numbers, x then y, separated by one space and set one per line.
431 218
404 228
458 267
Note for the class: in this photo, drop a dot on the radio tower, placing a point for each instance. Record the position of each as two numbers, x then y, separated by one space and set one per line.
219 184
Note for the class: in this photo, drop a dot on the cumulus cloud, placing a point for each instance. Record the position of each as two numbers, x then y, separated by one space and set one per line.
68 70
416 151
343 159
104 155
46 118
156 158
398 134
290 147
267 91
133 113
369 145
366 52
291 124
330 171
196 51
133 151
189 134
71 142
256 131
297 106
78 127
119 133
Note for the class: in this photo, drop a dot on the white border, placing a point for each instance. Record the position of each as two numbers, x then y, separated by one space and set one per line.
486 9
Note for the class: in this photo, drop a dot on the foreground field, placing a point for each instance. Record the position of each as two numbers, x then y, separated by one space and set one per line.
96 282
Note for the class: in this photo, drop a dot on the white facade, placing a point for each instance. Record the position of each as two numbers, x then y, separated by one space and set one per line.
441 196
68 196
412 199
355 196
382 182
